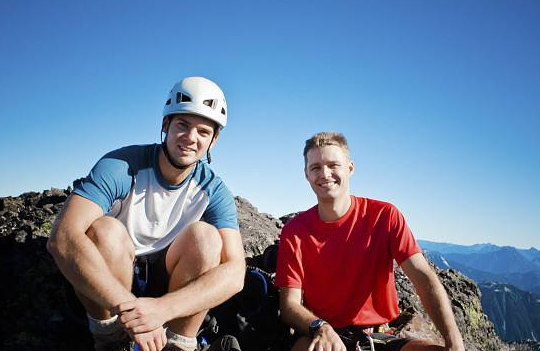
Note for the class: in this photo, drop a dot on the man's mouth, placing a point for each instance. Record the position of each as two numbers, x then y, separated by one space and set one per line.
327 184
186 150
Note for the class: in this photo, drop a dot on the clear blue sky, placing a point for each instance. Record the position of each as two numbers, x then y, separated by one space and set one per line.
440 100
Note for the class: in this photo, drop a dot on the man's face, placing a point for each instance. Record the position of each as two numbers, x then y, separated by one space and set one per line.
188 137
328 170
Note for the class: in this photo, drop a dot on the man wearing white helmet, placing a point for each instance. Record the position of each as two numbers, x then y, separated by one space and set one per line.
154 221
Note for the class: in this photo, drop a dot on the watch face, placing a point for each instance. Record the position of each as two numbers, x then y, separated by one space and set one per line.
316 323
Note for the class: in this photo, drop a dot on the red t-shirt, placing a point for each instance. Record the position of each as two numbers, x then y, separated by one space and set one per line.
345 268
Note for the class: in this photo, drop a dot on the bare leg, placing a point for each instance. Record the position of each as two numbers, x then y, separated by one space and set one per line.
113 242
421 345
301 344
194 252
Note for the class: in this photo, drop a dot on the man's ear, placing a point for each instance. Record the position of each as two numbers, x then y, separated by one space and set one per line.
351 167
165 124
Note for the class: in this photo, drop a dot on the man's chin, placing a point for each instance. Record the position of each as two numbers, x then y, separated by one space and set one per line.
185 161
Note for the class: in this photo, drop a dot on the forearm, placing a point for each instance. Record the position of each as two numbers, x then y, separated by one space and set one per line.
84 267
436 303
207 291
297 316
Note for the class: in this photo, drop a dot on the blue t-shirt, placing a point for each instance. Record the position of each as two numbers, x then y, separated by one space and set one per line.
128 185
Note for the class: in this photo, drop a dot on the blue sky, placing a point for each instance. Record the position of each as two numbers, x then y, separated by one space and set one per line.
440 100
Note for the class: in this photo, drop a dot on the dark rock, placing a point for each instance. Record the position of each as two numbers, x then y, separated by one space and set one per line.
259 230
35 315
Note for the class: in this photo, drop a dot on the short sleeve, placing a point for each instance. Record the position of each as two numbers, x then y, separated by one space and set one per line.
108 181
221 210
402 242
289 270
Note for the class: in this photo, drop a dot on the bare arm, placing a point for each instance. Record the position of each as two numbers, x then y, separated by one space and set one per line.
292 310
213 287
434 299
78 258
299 317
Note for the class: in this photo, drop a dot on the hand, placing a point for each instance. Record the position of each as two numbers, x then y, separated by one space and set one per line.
326 340
154 340
455 348
141 315
454 342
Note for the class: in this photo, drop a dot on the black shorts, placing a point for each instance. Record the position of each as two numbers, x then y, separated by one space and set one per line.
381 341
150 278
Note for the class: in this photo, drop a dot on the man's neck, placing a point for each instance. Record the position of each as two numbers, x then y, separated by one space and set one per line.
172 175
333 210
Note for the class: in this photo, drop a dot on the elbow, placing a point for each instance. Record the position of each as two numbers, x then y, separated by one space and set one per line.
55 247
239 275
52 246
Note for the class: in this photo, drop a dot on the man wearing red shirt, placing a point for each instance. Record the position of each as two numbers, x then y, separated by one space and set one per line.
335 264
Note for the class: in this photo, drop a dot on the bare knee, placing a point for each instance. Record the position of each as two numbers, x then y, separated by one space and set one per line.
421 345
199 244
302 344
111 239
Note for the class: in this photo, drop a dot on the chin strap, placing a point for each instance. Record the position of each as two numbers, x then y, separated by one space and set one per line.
170 159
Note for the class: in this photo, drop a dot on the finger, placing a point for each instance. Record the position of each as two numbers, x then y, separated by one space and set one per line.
134 323
126 306
164 338
159 341
141 329
129 316
144 346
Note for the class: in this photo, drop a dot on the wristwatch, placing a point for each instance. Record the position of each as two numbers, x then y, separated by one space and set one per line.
315 326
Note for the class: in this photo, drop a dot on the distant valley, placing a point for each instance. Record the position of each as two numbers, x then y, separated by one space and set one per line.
509 279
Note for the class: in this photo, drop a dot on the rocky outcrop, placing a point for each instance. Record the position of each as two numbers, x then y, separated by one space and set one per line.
477 331
516 313
35 314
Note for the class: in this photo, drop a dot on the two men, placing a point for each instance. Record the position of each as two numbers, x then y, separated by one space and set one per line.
335 264
149 241
157 211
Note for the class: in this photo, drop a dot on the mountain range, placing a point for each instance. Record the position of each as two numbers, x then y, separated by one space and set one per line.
509 279
488 262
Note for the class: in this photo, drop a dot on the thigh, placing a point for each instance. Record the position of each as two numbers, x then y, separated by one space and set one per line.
198 242
391 344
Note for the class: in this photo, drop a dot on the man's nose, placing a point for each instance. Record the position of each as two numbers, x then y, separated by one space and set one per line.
326 172
192 134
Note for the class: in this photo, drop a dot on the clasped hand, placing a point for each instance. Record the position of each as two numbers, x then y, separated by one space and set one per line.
141 315
143 319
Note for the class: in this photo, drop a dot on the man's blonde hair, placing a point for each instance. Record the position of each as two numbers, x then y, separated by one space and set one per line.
323 139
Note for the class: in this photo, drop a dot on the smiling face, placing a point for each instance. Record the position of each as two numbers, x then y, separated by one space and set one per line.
328 170
188 137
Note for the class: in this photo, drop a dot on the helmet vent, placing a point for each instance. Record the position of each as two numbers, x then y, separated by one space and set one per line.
210 103
182 98
168 102
223 112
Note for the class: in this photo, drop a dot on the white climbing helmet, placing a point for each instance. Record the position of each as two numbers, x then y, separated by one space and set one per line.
199 96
